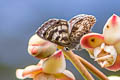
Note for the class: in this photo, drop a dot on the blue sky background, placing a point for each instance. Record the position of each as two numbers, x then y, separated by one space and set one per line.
19 19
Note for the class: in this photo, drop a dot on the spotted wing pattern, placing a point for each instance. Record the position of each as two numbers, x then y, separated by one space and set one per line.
56 31
80 25
67 33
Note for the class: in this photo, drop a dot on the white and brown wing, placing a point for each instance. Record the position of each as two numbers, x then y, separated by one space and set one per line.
56 31
80 25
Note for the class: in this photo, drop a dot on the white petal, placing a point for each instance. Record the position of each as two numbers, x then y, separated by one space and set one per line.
19 74
112 51
114 77
97 51
55 63
104 64
66 75
103 58
32 70
102 45
43 76
111 31
35 39
69 74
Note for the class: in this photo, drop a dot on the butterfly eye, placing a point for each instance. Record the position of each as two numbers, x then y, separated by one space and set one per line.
66 48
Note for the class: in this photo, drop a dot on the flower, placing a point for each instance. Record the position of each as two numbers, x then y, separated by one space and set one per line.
40 48
114 77
52 68
105 48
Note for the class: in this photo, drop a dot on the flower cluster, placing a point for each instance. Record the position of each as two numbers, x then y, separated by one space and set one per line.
52 65
105 48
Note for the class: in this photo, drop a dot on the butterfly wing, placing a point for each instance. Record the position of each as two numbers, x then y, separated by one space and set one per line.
56 31
80 25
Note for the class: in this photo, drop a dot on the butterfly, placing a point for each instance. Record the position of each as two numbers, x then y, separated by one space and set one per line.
66 33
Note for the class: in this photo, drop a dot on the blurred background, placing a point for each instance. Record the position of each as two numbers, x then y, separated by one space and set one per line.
19 20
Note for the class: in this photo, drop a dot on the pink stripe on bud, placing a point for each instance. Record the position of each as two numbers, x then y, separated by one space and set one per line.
58 54
114 19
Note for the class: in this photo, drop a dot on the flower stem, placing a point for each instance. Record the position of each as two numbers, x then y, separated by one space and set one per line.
79 66
77 63
93 69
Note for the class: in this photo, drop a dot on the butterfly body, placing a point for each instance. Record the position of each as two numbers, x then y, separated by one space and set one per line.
66 33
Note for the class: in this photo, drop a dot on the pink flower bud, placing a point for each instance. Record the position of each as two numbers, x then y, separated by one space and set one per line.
40 48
